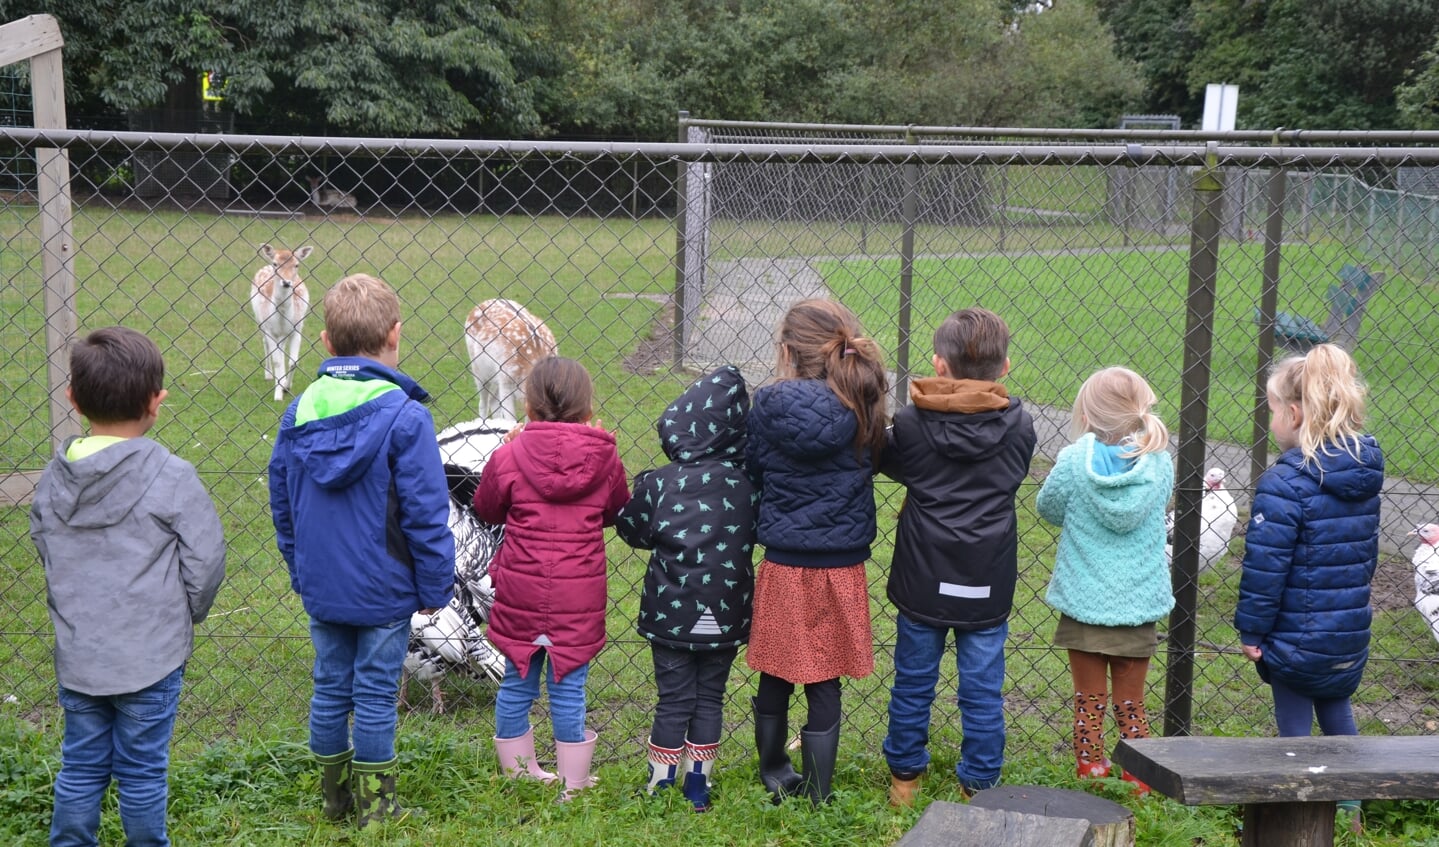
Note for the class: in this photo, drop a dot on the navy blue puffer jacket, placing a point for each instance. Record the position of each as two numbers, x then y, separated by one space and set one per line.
1310 552
816 505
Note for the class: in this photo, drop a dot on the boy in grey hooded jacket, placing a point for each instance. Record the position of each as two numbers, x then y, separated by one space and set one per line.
134 554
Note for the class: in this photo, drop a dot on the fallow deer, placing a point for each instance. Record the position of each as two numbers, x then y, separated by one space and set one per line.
280 303
505 340
325 197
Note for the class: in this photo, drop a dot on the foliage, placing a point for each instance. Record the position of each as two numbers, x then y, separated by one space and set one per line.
1157 34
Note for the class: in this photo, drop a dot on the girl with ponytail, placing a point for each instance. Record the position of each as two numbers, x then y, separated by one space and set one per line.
814 441
1312 545
1108 492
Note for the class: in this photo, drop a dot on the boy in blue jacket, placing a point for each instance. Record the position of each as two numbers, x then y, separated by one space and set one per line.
360 503
961 448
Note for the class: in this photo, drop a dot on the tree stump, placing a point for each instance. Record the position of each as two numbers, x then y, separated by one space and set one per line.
1110 824
957 825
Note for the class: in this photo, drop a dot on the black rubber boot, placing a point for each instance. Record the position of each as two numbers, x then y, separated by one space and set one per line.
818 751
776 770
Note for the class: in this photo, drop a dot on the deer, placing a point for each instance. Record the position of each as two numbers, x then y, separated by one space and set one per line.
505 340
280 303
330 198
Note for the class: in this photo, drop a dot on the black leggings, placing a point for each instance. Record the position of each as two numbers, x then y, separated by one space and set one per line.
822 697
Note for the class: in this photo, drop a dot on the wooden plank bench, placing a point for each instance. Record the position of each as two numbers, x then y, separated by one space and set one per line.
1288 786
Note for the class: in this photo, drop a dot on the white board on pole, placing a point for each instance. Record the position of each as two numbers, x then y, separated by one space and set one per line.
1220 103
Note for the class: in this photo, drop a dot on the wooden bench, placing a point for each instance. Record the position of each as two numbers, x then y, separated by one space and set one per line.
1288 786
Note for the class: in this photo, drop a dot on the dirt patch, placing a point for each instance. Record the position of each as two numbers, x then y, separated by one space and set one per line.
655 350
1393 584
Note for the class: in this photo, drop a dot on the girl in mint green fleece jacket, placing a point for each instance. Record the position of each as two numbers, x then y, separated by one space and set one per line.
1108 492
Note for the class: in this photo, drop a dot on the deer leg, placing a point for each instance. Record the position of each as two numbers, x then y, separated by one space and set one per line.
269 357
293 357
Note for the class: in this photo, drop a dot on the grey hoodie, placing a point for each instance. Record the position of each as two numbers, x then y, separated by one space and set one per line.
134 554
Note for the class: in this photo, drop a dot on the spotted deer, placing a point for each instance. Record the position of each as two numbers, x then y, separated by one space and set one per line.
505 340
280 302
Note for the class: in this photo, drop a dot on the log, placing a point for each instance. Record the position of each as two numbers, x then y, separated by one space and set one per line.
957 825
1110 824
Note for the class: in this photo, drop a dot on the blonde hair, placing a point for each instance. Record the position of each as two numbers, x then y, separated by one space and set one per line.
1324 383
821 339
1115 404
360 311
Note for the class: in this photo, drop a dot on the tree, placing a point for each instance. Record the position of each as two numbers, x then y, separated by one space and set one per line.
1158 34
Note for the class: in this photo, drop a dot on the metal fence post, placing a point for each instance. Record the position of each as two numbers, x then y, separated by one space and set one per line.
910 213
1268 306
681 233
1193 420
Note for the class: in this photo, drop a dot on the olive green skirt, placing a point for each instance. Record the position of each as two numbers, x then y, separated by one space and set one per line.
1129 641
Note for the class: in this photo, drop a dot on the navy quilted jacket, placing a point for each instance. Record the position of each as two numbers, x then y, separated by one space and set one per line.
1309 554
816 505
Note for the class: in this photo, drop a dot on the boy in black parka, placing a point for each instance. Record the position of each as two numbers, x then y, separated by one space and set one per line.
698 516
962 448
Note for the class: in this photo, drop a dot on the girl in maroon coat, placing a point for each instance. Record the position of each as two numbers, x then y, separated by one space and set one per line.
555 486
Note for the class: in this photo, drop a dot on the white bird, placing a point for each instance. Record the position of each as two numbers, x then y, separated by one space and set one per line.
451 640
1218 514
1426 575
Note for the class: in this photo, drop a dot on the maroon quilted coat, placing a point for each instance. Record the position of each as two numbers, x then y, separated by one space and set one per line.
554 487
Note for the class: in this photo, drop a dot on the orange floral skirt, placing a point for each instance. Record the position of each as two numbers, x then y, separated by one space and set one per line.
811 624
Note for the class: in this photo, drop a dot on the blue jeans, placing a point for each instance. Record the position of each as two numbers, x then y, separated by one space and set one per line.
979 658
1295 714
517 694
126 736
357 672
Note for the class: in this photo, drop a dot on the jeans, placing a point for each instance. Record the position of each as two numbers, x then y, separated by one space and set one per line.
126 736
517 694
357 672
979 658
1295 714
691 687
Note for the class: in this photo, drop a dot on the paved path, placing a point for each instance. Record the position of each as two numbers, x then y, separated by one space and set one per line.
746 299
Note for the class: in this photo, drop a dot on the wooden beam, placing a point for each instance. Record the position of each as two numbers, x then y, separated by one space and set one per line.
29 37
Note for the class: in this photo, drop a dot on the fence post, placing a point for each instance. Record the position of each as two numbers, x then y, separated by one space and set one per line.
681 223
909 210
1268 306
1193 419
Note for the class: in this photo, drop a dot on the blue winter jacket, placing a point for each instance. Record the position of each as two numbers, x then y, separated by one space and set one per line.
1309 554
816 505
359 497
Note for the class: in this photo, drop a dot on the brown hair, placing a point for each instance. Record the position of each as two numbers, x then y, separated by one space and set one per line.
1324 383
114 373
1115 404
360 311
559 389
821 339
974 344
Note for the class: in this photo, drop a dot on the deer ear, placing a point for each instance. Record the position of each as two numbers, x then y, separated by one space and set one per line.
303 252
267 252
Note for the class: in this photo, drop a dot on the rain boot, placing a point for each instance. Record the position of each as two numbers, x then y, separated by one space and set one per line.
818 751
776 770
335 784
517 757
903 788
664 763
373 784
572 761
698 762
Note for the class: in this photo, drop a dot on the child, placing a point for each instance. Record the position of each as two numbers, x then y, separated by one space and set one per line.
815 440
360 504
962 450
1312 546
698 516
1108 491
555 485
134 555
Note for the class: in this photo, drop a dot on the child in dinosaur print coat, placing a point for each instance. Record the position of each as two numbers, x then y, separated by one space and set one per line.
698 516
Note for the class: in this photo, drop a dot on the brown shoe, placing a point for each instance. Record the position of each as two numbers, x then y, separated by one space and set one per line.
902 792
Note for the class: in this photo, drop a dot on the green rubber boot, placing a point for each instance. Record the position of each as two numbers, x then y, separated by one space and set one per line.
373 784
335 784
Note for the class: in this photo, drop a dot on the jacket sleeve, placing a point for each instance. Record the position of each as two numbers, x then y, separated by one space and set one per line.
619 491
201 543
1268 553
424 501
891 462
281 509
492 495
635 522
1053 497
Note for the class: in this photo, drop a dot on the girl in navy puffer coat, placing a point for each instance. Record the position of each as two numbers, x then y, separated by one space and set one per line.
1313 542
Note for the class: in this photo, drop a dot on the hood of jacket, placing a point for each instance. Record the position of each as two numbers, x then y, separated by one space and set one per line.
707 420
563 461
357 400
1118 499
1339 474
101 489
966 419
805 419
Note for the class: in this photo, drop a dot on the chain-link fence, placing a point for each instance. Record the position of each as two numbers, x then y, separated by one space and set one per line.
653 262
